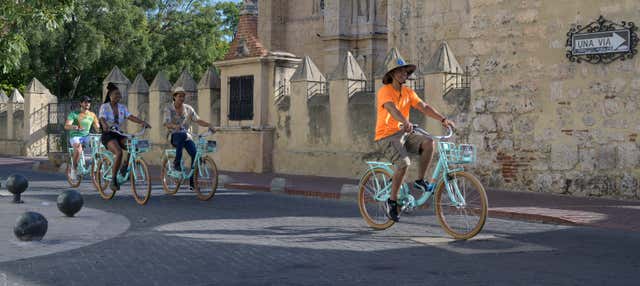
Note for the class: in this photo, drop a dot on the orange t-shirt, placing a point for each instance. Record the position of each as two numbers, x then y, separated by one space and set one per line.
386 125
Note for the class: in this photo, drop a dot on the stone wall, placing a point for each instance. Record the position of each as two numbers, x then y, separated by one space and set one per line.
544 124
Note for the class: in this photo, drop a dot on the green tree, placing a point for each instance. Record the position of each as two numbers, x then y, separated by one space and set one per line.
190 35
19 16
138 36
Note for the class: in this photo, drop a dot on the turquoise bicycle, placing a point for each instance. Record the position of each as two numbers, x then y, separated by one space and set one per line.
461 203
137 170
83 167
204 172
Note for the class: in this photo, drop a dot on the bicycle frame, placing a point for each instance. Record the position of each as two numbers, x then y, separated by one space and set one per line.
201 149
439 176
132 143
82 166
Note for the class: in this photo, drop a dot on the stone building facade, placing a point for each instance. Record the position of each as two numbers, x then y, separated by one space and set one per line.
541 122
296 92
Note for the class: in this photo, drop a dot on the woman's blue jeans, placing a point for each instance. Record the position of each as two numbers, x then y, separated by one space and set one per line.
180 140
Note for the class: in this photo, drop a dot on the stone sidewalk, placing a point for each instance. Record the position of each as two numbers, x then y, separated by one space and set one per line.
537 207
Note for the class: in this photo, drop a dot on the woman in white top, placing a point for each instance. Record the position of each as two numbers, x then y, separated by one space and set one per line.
110 122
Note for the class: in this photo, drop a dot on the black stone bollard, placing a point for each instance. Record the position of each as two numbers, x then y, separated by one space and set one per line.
30 226
70 202
17 184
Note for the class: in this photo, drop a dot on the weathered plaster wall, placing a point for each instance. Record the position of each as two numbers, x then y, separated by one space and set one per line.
543 123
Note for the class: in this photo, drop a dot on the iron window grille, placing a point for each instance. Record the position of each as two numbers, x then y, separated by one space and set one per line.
241 98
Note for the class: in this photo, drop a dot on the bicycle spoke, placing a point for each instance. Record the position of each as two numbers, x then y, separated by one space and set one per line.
462 219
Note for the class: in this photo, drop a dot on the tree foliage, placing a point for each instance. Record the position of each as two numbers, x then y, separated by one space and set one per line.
141 36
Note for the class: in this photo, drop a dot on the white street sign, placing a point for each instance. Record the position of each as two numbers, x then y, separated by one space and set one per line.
601 42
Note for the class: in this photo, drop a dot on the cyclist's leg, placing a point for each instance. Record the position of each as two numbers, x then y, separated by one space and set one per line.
394 150
192 150
114 147
77 149
122 142
178 140
424 146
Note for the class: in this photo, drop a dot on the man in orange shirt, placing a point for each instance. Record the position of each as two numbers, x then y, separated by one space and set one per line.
394 131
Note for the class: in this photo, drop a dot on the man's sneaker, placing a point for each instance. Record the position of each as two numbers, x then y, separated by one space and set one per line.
114 185
423 186
391 208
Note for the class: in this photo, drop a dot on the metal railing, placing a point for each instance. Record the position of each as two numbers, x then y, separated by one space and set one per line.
282 90
356 86
456 80
316 88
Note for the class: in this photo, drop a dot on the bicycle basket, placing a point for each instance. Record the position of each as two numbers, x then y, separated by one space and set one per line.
211 145
143 146
457 154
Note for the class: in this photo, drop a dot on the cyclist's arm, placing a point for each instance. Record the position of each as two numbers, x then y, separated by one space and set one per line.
68 125
428 110
203 123
103 124
137 120
397 115
96 123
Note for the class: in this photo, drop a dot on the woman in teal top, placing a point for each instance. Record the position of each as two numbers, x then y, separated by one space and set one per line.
79 123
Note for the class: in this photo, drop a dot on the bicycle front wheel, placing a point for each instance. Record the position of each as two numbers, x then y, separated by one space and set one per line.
140 181
74 181
462 210
170 184
103 178
373 211
205 179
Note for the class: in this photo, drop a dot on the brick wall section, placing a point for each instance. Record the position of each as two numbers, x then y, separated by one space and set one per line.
247 30
513 165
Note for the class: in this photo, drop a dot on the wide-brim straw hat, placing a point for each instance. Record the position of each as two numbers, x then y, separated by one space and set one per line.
395 61
178 90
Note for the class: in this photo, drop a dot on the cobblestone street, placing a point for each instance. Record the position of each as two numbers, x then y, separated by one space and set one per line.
255 238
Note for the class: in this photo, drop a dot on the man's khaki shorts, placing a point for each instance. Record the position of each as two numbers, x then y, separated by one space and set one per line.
397 147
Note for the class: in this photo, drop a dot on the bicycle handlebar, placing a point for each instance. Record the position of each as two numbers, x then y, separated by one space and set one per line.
201 135
137 134
417 128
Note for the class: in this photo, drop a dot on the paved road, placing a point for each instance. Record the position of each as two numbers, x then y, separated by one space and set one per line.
249 238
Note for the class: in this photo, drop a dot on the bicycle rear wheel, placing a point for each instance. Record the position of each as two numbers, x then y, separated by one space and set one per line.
74 181
140 181
103 178
372 210
461 213
205 176
170 184
94 173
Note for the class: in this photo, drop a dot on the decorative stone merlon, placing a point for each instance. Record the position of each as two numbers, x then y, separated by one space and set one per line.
16 97
308 71
186 82
3 97
36 87
116 76
209 80
160 83
443 61
348 70
139 86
